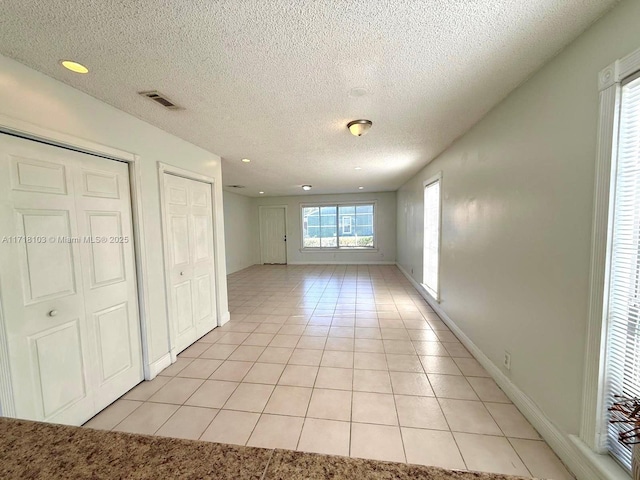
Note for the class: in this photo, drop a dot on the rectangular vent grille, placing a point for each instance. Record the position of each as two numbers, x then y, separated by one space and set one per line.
161 99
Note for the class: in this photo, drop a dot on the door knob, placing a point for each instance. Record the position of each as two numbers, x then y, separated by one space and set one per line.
181 274
53 313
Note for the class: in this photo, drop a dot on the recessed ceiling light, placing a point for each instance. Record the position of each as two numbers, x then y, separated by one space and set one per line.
358 92
74 66
359 127
360 188
358 168
261 193
246 160
306 187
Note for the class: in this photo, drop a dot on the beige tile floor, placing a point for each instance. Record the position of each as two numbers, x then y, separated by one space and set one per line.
345 360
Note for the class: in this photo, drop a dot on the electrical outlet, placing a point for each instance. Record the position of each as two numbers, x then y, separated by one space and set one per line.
507 360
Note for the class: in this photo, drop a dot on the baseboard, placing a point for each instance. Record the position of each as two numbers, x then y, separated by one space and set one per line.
226 316
159 365
344 262
583 466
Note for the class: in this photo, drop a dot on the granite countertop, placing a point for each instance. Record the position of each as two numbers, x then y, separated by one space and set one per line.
34 450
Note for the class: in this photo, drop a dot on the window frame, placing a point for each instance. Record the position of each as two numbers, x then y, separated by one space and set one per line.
435 294
594 421
374 248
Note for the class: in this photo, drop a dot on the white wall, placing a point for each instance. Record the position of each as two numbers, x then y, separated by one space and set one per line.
30 96
385 229
516 225
238 232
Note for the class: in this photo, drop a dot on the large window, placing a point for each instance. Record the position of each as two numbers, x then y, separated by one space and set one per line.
338 226
623 312
431 253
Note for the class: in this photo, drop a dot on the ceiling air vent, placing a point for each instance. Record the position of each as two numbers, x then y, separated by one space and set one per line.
235 186
161 99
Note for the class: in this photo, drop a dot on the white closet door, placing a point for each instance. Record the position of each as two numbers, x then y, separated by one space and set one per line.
103 209
189 230
51 306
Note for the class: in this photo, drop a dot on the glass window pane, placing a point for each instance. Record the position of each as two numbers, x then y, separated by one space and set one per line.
329 226
310 227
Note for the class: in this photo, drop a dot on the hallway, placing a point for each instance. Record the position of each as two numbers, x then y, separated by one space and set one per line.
345 360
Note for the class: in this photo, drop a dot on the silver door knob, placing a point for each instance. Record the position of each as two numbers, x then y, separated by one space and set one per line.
53 313
181 274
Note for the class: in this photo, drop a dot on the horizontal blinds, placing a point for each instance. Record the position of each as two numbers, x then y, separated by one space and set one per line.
623 342
431 237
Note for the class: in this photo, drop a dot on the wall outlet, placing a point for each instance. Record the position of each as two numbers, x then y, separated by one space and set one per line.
507 360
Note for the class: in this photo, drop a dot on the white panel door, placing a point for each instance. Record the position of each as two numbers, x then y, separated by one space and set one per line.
70 351
189 243
273 235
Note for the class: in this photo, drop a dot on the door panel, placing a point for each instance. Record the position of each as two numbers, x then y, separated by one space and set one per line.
112 327
189 236
273 233
72 317
107 258
33 175
47 266
58 367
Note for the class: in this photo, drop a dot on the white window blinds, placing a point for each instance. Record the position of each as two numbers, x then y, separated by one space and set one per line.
623 336
431 237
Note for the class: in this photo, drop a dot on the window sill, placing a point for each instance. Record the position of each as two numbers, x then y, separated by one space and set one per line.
334 250
428 291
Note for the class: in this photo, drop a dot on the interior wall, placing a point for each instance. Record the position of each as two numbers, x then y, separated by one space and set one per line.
30 96
385 229
516 220
238 232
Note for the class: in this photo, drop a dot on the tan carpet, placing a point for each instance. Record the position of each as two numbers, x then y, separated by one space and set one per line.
32 450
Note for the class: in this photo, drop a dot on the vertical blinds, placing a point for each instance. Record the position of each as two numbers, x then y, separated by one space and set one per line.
431 237
623 338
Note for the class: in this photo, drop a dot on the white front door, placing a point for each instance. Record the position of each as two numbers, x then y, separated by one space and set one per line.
189 229
67 280
273 235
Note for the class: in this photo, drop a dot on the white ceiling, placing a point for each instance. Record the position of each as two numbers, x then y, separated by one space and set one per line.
271 79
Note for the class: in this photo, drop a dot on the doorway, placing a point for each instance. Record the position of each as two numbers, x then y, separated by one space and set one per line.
69 289
273 235
187 205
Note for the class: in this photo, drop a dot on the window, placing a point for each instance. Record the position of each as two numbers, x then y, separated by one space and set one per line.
431 254
338 226
622 368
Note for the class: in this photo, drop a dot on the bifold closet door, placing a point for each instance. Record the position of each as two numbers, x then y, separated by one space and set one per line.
67 280
189 243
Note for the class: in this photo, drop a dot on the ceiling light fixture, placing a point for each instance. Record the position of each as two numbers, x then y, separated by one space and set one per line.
246 160
306 188
360 188
74 66
359 127
358 168
261 193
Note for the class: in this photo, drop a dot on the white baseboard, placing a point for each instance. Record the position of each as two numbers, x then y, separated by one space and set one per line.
344 262
226 316
156 367
583 466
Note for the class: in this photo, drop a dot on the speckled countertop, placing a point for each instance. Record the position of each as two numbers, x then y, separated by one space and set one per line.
33 450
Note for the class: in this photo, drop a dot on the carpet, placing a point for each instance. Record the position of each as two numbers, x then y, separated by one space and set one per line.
34 450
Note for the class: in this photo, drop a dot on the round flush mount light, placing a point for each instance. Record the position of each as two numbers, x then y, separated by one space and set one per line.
306 188
359 127
246 160
358 168
261 193
74 66
360 188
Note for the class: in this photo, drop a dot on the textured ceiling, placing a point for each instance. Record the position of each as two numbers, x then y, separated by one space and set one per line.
272 80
